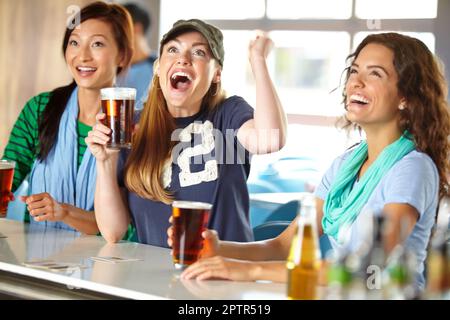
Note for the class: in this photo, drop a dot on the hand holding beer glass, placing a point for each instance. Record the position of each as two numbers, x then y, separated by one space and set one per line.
118 105
190 219
6 180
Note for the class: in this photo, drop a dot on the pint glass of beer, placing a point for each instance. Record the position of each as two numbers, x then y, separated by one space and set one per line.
6 180
189 221
118 105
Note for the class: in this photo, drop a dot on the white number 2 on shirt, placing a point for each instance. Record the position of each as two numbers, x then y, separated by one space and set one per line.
210 173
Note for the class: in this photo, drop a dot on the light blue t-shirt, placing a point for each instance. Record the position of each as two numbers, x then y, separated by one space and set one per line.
139 76
413 180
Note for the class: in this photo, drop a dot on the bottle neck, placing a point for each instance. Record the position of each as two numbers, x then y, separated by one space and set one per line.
307 214
307 236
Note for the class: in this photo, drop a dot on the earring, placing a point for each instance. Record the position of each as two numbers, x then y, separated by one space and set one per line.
402 107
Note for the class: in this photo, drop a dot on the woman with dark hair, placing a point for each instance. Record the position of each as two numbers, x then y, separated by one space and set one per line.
192 144
47 141
396 93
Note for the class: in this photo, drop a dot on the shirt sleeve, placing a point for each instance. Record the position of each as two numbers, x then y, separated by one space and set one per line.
414 181
24 138
236 112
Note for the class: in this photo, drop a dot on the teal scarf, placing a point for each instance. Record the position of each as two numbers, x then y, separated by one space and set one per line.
343 203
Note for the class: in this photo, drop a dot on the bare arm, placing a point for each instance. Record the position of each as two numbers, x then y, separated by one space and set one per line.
267 131
319 215
111 209
43 207
271 249
81 220
401 219
239 270
260 260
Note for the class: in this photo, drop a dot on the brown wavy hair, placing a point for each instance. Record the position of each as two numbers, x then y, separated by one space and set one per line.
421 81
152 145
122 27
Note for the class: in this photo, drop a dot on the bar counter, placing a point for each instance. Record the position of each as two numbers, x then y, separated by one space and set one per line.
152 277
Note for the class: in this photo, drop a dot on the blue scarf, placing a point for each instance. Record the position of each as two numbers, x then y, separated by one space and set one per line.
59 174
344 202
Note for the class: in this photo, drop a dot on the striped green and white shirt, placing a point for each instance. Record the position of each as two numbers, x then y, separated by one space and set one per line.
23 144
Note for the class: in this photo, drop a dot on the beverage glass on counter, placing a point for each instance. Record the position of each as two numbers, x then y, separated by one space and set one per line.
190 219
118 105
6 180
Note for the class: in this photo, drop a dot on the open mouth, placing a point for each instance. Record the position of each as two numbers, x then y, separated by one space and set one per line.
358 99
180 81
86 70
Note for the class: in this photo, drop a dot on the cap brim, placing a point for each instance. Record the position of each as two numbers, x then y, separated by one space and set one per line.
185 28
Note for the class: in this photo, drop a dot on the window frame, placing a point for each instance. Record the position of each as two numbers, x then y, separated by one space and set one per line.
438 26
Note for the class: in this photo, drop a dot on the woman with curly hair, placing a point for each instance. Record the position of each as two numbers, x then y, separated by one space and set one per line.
396 93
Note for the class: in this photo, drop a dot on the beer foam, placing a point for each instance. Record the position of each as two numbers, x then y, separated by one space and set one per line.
118 93
192 205
7 165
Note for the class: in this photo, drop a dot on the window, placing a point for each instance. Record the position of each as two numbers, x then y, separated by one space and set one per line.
307 9
302 62
173 10
426 37
398 9
312 40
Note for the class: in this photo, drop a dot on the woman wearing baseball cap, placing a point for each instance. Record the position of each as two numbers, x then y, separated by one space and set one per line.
193 143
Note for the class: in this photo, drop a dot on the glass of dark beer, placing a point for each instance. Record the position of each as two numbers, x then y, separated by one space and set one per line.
118 105
190 219
6 180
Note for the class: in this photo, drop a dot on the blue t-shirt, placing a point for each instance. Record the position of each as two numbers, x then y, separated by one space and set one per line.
139 76
208 165
413 180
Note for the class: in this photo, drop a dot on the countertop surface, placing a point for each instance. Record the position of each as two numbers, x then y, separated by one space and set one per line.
151 277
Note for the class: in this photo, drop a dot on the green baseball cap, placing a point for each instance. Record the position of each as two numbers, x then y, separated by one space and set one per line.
212 34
